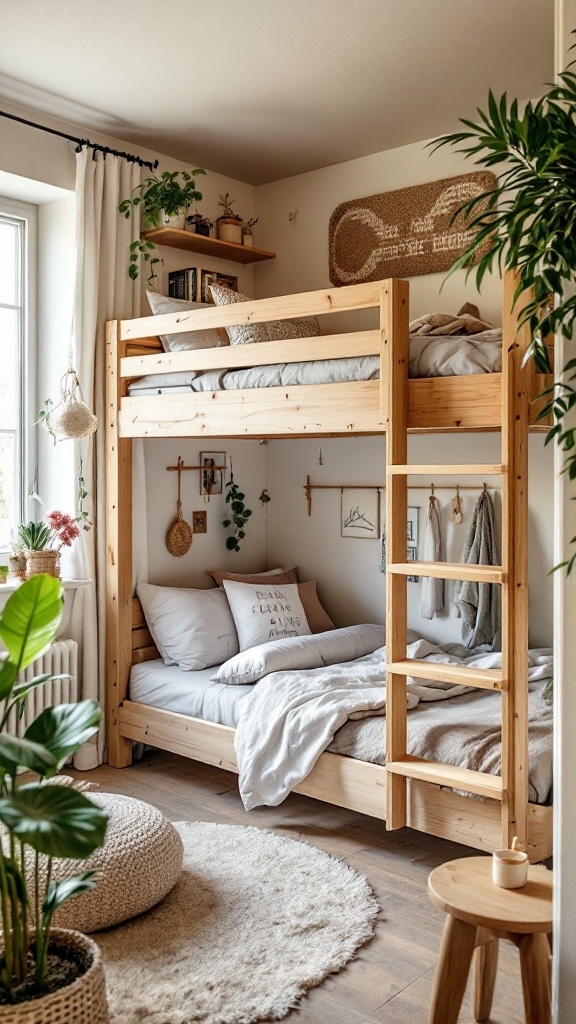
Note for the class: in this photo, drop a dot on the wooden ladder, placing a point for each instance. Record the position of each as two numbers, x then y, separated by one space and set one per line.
511 787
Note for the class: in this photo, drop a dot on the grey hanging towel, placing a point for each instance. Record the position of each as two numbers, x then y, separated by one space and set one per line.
478 604
432 597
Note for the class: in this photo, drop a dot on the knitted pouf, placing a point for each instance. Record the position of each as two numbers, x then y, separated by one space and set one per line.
140 862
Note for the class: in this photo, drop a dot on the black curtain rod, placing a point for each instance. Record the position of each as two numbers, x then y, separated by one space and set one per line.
95 146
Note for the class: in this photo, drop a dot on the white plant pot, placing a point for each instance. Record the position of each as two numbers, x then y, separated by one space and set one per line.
248 240
82 1002
229 231
177 221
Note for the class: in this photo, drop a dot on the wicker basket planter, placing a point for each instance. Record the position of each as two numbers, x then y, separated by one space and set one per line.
17 567
82 1002
47 561
229 230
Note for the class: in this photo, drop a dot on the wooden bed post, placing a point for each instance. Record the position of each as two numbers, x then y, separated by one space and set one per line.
394 371
118 555
516 380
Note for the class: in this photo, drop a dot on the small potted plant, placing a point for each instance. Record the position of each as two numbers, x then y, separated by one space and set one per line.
199 224
46 974
247 236
43 542
165 201
229 224
16 561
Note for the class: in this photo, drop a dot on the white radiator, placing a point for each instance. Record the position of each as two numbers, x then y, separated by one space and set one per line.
60 658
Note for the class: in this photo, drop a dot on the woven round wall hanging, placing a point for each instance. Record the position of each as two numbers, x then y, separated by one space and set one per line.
179 537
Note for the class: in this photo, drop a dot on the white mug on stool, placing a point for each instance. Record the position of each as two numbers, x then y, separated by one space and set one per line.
509 868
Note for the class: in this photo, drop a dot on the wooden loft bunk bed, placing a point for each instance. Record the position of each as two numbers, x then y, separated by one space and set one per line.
425 795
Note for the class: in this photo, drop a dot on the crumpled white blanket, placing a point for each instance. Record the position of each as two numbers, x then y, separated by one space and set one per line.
290 718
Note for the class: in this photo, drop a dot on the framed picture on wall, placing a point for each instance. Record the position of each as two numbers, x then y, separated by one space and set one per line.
360 512
412 527
412 556
212 473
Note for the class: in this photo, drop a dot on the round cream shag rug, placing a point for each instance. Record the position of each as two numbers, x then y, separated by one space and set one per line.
253 923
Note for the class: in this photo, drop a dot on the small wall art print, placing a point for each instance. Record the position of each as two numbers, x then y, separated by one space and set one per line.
199 521
412 527
405 232
211 474
360 512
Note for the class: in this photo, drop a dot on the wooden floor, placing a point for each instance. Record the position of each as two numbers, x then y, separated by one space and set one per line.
390 981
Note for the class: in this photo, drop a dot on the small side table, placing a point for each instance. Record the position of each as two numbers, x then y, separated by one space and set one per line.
479 915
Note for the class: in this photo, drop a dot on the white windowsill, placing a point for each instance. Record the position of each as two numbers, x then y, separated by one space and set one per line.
6 588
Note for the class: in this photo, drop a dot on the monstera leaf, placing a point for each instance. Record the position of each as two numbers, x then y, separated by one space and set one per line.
28 624
63 729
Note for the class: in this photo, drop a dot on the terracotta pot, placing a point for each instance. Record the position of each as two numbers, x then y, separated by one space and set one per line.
229 230
82 1002
47 561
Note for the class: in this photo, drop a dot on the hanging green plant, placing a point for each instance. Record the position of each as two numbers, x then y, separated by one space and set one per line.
239 514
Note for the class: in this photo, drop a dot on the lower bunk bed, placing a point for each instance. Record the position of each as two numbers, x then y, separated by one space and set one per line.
191 715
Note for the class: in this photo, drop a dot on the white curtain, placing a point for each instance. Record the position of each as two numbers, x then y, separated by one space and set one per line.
103 292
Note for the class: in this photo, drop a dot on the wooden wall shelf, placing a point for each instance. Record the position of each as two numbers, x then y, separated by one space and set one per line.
192 242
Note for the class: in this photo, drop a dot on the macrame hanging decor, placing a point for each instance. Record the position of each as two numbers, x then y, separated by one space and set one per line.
71 418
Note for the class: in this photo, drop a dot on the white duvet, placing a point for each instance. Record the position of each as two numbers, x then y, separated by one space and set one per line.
290 718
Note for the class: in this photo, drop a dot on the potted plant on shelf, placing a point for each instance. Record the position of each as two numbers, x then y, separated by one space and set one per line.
43 542
199 224
45 973
229 224
247 236
164 201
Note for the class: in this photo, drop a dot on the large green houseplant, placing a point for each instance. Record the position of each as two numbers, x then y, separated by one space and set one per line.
161 198
39 822
528 225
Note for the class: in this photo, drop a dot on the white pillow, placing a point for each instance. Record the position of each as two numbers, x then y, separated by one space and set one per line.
263 613
304 652
191 628
210 338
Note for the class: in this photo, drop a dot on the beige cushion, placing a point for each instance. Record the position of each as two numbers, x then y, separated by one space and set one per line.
318 619
139 863
272 330
280 576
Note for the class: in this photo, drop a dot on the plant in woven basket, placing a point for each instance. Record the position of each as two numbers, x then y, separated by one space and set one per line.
528 224
37 820
239 515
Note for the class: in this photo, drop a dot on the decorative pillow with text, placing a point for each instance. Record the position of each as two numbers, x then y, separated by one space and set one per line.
265 611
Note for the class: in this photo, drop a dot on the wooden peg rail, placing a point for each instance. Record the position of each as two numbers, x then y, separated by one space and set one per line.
431 488
185 469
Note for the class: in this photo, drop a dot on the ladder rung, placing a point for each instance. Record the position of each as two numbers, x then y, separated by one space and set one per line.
465 470
481 783
484 679
450 571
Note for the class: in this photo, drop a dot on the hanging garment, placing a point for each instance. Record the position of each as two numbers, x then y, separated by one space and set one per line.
432 599
478 604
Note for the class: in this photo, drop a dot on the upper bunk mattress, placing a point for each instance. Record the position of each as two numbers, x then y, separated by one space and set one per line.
454 355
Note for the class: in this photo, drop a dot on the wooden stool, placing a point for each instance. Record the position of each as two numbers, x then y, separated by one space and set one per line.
481 913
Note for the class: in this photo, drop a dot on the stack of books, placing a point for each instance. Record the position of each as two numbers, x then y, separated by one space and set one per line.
193 284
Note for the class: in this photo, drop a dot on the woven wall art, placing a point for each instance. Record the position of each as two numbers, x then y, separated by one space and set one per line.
402 233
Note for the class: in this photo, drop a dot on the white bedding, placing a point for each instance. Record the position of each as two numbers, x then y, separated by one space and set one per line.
463 731
290 718
429 357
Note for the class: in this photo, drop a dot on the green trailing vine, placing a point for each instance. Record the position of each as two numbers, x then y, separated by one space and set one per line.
239 514
527 223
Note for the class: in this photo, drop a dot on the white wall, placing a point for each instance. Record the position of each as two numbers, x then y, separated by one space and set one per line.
301 245
347 569
208 550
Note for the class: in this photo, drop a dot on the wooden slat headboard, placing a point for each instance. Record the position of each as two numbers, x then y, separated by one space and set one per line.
143 646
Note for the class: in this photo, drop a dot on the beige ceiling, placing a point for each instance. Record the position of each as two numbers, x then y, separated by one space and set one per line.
263 89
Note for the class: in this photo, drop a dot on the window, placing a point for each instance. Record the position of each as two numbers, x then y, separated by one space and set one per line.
17 368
